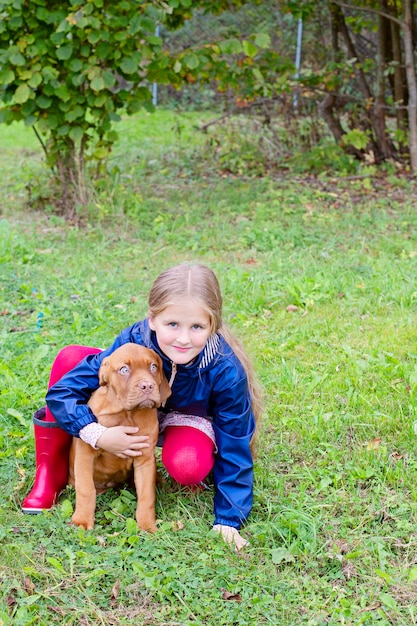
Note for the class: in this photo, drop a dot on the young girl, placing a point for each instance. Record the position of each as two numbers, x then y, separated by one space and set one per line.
208 422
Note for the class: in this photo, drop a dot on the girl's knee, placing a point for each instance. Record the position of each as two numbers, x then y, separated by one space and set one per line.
67 358
187 454
186 468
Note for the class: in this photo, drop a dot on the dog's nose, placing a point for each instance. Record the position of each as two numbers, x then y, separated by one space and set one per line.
147 386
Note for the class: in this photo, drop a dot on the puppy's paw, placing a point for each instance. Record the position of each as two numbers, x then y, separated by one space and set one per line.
148 525
78 520
149 529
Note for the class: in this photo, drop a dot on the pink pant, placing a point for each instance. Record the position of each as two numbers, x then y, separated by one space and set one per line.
187 453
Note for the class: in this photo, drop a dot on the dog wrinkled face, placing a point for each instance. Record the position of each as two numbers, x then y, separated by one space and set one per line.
135 375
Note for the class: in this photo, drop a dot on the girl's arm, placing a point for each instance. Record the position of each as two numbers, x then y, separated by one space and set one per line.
234 426
67 399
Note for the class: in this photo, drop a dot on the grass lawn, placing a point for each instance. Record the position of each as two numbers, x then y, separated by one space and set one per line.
319 280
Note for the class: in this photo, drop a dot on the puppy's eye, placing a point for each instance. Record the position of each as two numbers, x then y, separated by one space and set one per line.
154 368
124 370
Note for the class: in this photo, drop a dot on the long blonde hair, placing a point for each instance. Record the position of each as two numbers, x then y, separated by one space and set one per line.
197 281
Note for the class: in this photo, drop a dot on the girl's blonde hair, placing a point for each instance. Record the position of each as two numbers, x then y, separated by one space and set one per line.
197 281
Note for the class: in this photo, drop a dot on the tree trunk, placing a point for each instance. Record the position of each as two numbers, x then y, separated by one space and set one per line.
374 111
411 82
71 180
386 146
339 23
400 98
327 109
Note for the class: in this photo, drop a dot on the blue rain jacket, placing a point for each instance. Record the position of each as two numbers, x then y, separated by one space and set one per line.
214 386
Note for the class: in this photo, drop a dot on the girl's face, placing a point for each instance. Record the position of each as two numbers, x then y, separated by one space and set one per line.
182 331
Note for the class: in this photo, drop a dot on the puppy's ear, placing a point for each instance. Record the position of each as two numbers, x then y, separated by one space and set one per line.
164 390
104 371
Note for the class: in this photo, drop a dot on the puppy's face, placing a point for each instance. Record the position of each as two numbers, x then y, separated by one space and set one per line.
135 375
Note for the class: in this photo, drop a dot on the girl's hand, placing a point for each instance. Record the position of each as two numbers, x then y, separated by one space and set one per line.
231 535
121 441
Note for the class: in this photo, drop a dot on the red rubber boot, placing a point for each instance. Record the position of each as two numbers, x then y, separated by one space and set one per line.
51 442
52 447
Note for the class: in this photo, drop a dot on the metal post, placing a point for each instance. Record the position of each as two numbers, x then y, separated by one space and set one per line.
298 58
155 85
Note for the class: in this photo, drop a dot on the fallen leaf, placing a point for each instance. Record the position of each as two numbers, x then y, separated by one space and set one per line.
29 586
396 456
226 595
291 308
115 593
11 600
177 525
374 444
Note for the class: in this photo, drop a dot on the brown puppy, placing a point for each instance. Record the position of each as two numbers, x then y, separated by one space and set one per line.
133 385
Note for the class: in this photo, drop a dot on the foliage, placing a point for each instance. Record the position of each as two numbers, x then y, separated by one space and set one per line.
254 145
352 74
69 72
318 276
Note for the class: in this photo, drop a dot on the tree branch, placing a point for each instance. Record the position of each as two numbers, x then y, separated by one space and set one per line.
369 10
40 140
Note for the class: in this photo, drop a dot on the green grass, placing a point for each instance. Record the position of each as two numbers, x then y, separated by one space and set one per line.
332 532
